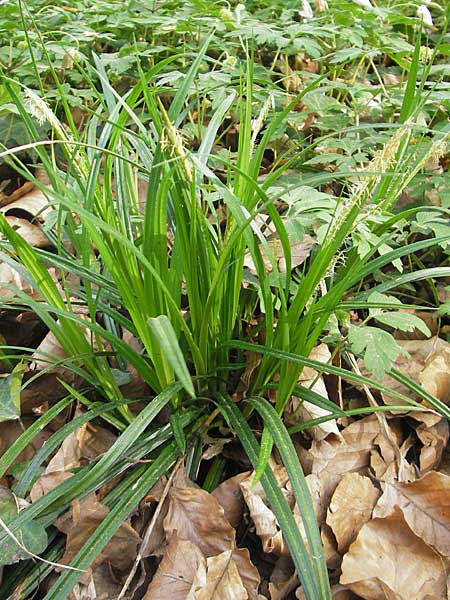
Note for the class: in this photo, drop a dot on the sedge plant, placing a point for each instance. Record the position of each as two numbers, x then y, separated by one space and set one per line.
170 273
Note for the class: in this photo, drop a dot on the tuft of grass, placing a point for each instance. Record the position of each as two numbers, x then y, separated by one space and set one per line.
172 276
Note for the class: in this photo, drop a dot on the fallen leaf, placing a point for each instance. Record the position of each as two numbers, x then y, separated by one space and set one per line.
11 430
389 463
97 584
219 580
30 232
388 560
433 432
266 524
229 495
425 504
82 520
300 251
299 411
10 277
330 552
428 364
6 199
195 515
351 506
283 579
34 202
214 446
176 571
333 457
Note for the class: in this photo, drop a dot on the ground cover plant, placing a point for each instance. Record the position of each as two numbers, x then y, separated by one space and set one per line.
224 300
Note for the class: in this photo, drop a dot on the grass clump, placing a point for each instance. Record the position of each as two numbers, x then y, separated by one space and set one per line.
199 271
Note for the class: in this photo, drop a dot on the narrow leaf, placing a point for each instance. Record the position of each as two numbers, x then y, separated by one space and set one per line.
164 333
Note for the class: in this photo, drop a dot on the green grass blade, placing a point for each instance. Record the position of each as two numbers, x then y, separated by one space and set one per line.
165 335
299 486
283 513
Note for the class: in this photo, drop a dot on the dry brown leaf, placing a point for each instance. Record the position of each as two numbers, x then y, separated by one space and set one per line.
389 463
429 365
97 584
299 253
332 556
229 495
283 579
298 411
351 506
318 501
34 202
95 441
425 505
82 520
47 482
333 457
11 430
6 199
434 435
176 571
195 515
11 277
30 232
46 388
219 580
214 446
266 524
388 560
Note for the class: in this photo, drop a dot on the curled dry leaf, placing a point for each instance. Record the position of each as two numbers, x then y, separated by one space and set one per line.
351 506
433 432
30 232
218 580
425 505
82 520
266 524
332 556
333 457
388 560
298 411
97 584
229 495
176 571
85 443
33 202
388 460
11 277
195 515
429 365
6 199
283 579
